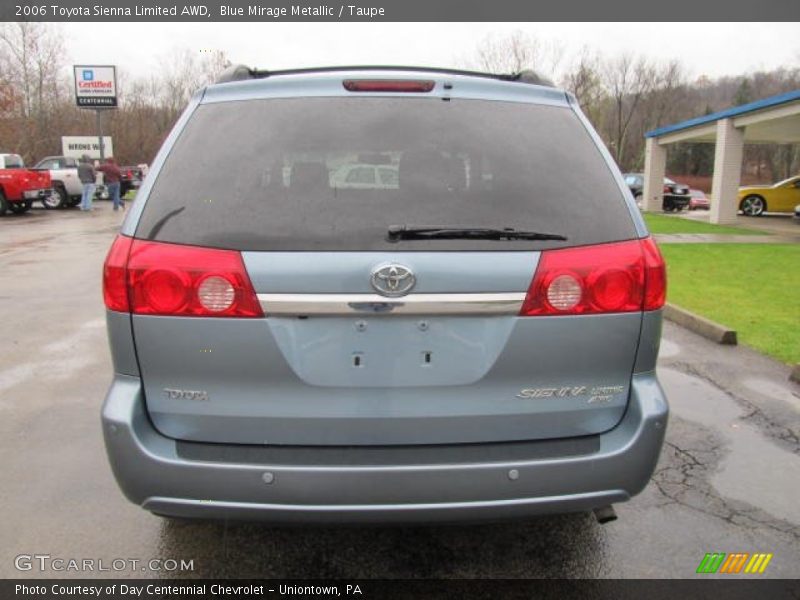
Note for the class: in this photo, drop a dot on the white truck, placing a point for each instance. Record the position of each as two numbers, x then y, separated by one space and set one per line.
66 183
64 175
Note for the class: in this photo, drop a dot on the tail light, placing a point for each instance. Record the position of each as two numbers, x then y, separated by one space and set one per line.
608 278
115 288
153 278
666 189
387 85
655 276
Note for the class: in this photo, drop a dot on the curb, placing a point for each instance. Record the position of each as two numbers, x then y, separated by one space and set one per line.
702 326
795 374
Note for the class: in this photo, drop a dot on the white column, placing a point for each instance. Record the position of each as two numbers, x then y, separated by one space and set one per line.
655 165
727 171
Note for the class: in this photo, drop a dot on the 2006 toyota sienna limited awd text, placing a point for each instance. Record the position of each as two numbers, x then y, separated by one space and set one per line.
469 333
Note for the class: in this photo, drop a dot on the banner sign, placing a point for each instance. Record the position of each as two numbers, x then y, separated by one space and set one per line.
96 86
76 146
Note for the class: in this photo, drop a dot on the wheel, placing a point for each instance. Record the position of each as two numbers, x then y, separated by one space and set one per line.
58 199
19 208
3 204
753 206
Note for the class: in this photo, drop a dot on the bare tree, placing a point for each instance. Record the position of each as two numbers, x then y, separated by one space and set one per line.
31 58
518 52
584 79
628 80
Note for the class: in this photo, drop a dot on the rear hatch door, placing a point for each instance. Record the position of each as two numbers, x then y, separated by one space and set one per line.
368 340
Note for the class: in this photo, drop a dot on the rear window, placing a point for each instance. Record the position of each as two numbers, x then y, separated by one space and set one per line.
335 173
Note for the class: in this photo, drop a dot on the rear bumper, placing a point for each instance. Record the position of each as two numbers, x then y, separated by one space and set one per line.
152 473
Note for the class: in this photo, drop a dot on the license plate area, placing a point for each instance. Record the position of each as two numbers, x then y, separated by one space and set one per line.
374 351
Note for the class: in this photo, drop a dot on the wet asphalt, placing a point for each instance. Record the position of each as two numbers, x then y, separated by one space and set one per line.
728 479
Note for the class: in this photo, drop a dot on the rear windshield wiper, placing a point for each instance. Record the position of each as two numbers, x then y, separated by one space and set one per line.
404 232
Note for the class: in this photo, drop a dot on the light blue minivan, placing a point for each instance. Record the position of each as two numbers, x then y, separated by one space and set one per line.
465 329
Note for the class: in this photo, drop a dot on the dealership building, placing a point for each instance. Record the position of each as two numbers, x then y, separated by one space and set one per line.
774 120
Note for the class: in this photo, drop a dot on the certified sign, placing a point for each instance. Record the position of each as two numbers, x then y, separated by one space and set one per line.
95 86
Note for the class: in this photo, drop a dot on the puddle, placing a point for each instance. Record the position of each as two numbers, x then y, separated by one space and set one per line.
59 359
753 469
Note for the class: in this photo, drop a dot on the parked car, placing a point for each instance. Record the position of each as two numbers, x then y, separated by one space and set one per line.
675 195
131 179
365 176
20 187
472 343
780 197
698 200
63 172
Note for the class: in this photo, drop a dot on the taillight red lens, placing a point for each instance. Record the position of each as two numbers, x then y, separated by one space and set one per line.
152 278
655 276
115 289
387 85
609 278
168 279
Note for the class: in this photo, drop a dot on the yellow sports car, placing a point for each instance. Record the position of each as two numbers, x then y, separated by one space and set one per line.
783 196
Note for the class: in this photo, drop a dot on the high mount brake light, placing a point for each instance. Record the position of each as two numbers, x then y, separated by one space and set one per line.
388 85
608 278
152 278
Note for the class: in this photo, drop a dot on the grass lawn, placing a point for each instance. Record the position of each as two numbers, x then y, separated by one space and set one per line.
752 288
663 224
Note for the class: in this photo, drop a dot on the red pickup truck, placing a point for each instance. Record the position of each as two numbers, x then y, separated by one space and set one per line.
19 186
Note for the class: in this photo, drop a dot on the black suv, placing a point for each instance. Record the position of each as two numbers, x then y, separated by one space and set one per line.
676 195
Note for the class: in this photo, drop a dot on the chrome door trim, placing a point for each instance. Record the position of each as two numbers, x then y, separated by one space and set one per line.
505 303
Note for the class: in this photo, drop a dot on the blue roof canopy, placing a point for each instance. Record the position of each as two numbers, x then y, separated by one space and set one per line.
724 114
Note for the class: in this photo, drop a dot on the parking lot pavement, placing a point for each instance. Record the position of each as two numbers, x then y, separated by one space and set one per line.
728 479
774 223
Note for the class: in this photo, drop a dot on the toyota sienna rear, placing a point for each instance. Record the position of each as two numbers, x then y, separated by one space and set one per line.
376 294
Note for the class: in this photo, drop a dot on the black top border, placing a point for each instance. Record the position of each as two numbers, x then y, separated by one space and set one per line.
206 11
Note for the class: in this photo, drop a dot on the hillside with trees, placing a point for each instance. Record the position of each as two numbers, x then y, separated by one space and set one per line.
624 96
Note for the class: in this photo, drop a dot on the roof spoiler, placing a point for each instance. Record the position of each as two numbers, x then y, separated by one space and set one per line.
242 73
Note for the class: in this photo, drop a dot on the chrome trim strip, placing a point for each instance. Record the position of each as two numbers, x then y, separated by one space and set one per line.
506 303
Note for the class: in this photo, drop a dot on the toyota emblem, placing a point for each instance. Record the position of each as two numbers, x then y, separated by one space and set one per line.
392 280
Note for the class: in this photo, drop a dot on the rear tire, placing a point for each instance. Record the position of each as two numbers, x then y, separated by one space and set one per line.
20 208
57 199
753 206
3 204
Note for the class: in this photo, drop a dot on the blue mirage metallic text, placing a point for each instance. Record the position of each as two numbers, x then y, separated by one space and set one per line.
296 10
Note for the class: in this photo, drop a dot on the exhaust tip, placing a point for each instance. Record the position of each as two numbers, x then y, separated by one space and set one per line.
605 514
